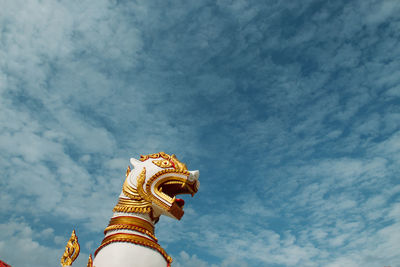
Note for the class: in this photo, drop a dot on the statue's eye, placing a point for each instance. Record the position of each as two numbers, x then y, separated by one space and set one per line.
163 163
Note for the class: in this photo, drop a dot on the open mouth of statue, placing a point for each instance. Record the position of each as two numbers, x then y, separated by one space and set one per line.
171 188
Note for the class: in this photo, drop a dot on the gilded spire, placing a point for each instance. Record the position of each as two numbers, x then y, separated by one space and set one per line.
71 251
90 261
128 171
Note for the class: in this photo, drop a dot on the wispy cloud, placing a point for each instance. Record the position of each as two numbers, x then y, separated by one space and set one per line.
289 110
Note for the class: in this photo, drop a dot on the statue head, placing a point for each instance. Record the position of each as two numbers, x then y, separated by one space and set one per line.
153 183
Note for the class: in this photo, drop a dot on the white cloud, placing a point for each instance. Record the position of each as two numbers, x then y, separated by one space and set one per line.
383 10
186 260
21 245
291 109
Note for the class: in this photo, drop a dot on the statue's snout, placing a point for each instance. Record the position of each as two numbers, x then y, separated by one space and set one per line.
194 176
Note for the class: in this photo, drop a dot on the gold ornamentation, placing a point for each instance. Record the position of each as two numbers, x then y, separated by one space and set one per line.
158 174
129 227
138 199
179 166
176 164
71 251
131 223
137 202
134 239
141 200
133 203
163 163
182 182
129 205
90 261
129 191
131 209
140 182
154 156
128 220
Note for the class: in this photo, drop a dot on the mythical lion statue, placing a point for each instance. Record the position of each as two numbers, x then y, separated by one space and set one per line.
149 191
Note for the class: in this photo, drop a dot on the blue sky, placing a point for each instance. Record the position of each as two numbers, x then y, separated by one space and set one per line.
289 109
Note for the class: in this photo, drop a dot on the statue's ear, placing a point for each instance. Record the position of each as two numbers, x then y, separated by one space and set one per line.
135 162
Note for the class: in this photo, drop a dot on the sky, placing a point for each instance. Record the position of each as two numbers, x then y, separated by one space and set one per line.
289 109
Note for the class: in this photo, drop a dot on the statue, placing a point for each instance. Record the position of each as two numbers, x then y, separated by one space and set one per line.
149 191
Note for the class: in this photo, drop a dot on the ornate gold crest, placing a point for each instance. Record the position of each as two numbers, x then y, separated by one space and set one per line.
71 251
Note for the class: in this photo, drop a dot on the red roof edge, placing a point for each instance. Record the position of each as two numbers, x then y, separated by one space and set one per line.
3 264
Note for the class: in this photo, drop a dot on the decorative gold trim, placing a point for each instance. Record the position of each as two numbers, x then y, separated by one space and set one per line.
179 166
128 170
90 261
131 207
175 162
163 163
71 250
128 220
133 203
158 174
134 239
131 223
130 191
140 190
129 227
155 156
178 180
139 200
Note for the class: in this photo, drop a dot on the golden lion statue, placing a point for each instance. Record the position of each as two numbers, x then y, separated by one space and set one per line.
149 191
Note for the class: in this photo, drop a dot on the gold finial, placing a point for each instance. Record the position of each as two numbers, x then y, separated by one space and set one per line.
71 251
128 171
90 261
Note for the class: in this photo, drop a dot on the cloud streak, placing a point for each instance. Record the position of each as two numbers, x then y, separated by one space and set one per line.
289 110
